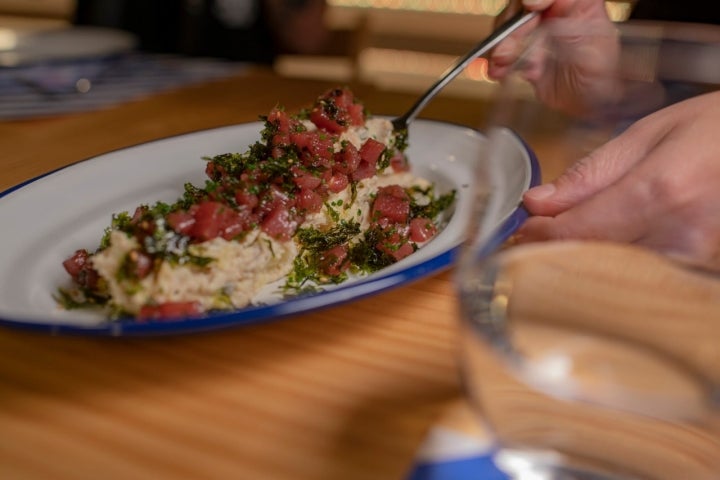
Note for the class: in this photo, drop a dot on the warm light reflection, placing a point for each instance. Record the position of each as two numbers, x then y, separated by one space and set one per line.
410 62
475 7
478 70
423 64
618 10
8 39
412 71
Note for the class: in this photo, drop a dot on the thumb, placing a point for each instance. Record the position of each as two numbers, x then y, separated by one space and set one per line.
584 178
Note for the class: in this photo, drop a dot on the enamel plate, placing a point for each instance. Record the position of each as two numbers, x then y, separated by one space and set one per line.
46 219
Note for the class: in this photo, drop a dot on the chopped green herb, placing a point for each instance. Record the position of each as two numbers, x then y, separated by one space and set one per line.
434 207
316 240
364 255
79 298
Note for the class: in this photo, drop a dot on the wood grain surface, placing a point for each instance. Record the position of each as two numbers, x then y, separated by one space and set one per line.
343 393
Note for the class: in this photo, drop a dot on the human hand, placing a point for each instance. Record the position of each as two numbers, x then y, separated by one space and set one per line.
656 185
585 52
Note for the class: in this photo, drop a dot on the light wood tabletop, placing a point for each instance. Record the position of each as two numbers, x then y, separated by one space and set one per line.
347 392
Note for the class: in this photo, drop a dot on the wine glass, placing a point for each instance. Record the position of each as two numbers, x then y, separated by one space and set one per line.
590 359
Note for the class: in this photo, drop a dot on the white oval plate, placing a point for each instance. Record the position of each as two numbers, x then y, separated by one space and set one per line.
46 219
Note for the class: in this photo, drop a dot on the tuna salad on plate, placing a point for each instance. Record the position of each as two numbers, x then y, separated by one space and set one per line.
324 195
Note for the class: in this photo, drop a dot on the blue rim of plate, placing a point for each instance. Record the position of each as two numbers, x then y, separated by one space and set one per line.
284 309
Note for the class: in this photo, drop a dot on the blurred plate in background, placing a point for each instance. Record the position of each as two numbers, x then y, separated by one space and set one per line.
18 48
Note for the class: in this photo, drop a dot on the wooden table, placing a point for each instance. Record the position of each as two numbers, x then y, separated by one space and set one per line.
343 393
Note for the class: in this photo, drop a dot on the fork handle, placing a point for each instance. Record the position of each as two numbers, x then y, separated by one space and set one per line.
490 42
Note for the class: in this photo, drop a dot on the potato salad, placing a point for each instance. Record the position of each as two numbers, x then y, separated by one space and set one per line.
324 194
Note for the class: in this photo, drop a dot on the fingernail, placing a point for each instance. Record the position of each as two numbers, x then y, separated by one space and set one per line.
533 3
541 192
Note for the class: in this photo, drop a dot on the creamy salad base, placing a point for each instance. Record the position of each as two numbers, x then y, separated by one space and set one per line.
241 269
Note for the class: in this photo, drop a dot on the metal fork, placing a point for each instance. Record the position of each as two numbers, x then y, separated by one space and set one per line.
498 35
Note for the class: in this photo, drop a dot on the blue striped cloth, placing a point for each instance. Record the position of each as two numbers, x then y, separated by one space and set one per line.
452 455
457 447
56 88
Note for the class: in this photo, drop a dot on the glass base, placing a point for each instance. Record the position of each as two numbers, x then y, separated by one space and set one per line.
536 465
